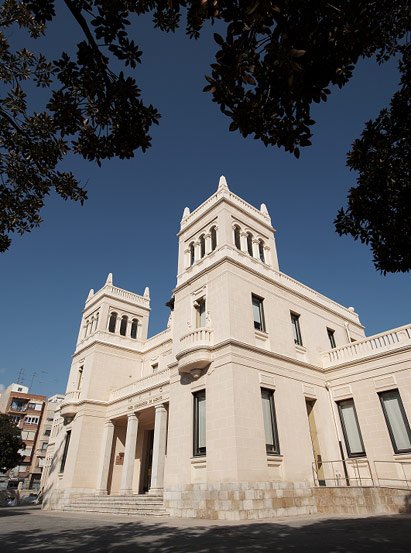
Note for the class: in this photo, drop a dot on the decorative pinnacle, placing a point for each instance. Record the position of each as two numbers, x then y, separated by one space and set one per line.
264 210
186 212
146 292
222 184
90 294
109 278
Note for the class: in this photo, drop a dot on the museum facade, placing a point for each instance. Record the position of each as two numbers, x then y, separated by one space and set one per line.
260 393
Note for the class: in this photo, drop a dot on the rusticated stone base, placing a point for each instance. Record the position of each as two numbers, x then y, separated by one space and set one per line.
240 501
362 501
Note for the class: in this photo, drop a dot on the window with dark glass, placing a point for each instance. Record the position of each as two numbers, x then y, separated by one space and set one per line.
199 426
396 419
261 251
200 307
192 254
250 244
351 428
270 424
213 238
331 337
202 246
258 313
237 239
295 322
112 322
123 325
133 332
65 451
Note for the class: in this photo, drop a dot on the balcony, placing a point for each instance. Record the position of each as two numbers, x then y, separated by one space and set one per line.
395 339
69 405
195 350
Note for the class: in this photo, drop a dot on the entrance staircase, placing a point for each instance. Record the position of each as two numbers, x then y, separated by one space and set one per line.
134 505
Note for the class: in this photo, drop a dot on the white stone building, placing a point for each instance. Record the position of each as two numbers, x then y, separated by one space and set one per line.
260 398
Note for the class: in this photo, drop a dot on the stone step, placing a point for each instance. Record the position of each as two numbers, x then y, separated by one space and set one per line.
138 505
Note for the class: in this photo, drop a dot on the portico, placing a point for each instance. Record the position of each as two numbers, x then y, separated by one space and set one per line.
133 451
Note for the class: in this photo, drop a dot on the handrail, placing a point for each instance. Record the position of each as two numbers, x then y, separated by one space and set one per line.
391 339
343 473
387 480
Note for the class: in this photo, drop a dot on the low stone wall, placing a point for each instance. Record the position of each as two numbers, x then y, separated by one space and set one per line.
240 501
361 501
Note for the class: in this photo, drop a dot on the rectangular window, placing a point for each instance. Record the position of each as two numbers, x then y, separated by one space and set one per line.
15 419
295 322
31 420
66 446
351 429
396 420
17 405
200 307
47 432
270 424
331 337
199 437
44 446
258 313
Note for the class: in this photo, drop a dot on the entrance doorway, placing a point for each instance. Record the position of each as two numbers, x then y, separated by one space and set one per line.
147 461
319 468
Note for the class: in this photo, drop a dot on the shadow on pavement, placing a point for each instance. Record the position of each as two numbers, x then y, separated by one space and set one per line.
366 535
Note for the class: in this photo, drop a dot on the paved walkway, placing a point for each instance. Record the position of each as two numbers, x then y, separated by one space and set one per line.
30 530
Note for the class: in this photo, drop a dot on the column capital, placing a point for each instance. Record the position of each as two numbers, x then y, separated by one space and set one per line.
132 415
108 422
159 407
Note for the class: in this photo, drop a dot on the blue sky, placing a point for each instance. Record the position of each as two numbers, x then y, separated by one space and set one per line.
129 224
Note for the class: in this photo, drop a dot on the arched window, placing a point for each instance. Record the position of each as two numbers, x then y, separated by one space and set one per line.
250 243
237 239
202 246
123 325
261 250
192 254
213 233
112 322
133 332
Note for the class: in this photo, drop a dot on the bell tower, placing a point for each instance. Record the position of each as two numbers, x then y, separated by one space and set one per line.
225 225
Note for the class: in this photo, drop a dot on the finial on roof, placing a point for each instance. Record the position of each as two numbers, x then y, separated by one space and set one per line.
109 278
146 292
90 294
222 184
186 212
263 209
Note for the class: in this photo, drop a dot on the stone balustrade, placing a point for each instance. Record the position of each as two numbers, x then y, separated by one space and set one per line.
373 345
146 383
196 338
69 405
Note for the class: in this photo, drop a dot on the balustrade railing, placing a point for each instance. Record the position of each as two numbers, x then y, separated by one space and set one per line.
385 341
71 396
196 338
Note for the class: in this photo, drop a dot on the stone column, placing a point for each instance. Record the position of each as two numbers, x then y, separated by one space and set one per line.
243 241
126 486
105 456
256 249
207 243
187 258
267 255
197 251
159 450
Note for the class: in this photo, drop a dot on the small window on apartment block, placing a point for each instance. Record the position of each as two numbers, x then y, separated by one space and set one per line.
331 337
199 423
258 313
295 321
351 428
396 419
270 424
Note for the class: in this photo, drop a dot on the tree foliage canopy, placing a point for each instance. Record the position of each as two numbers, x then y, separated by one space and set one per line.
10 443
276 59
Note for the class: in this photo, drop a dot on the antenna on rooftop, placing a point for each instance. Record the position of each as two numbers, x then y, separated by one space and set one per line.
20 377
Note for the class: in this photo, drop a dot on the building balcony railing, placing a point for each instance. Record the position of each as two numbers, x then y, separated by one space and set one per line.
146 383
195 349
393 339
69 405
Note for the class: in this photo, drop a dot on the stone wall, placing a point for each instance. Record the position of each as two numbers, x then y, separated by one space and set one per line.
240 501
361 501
